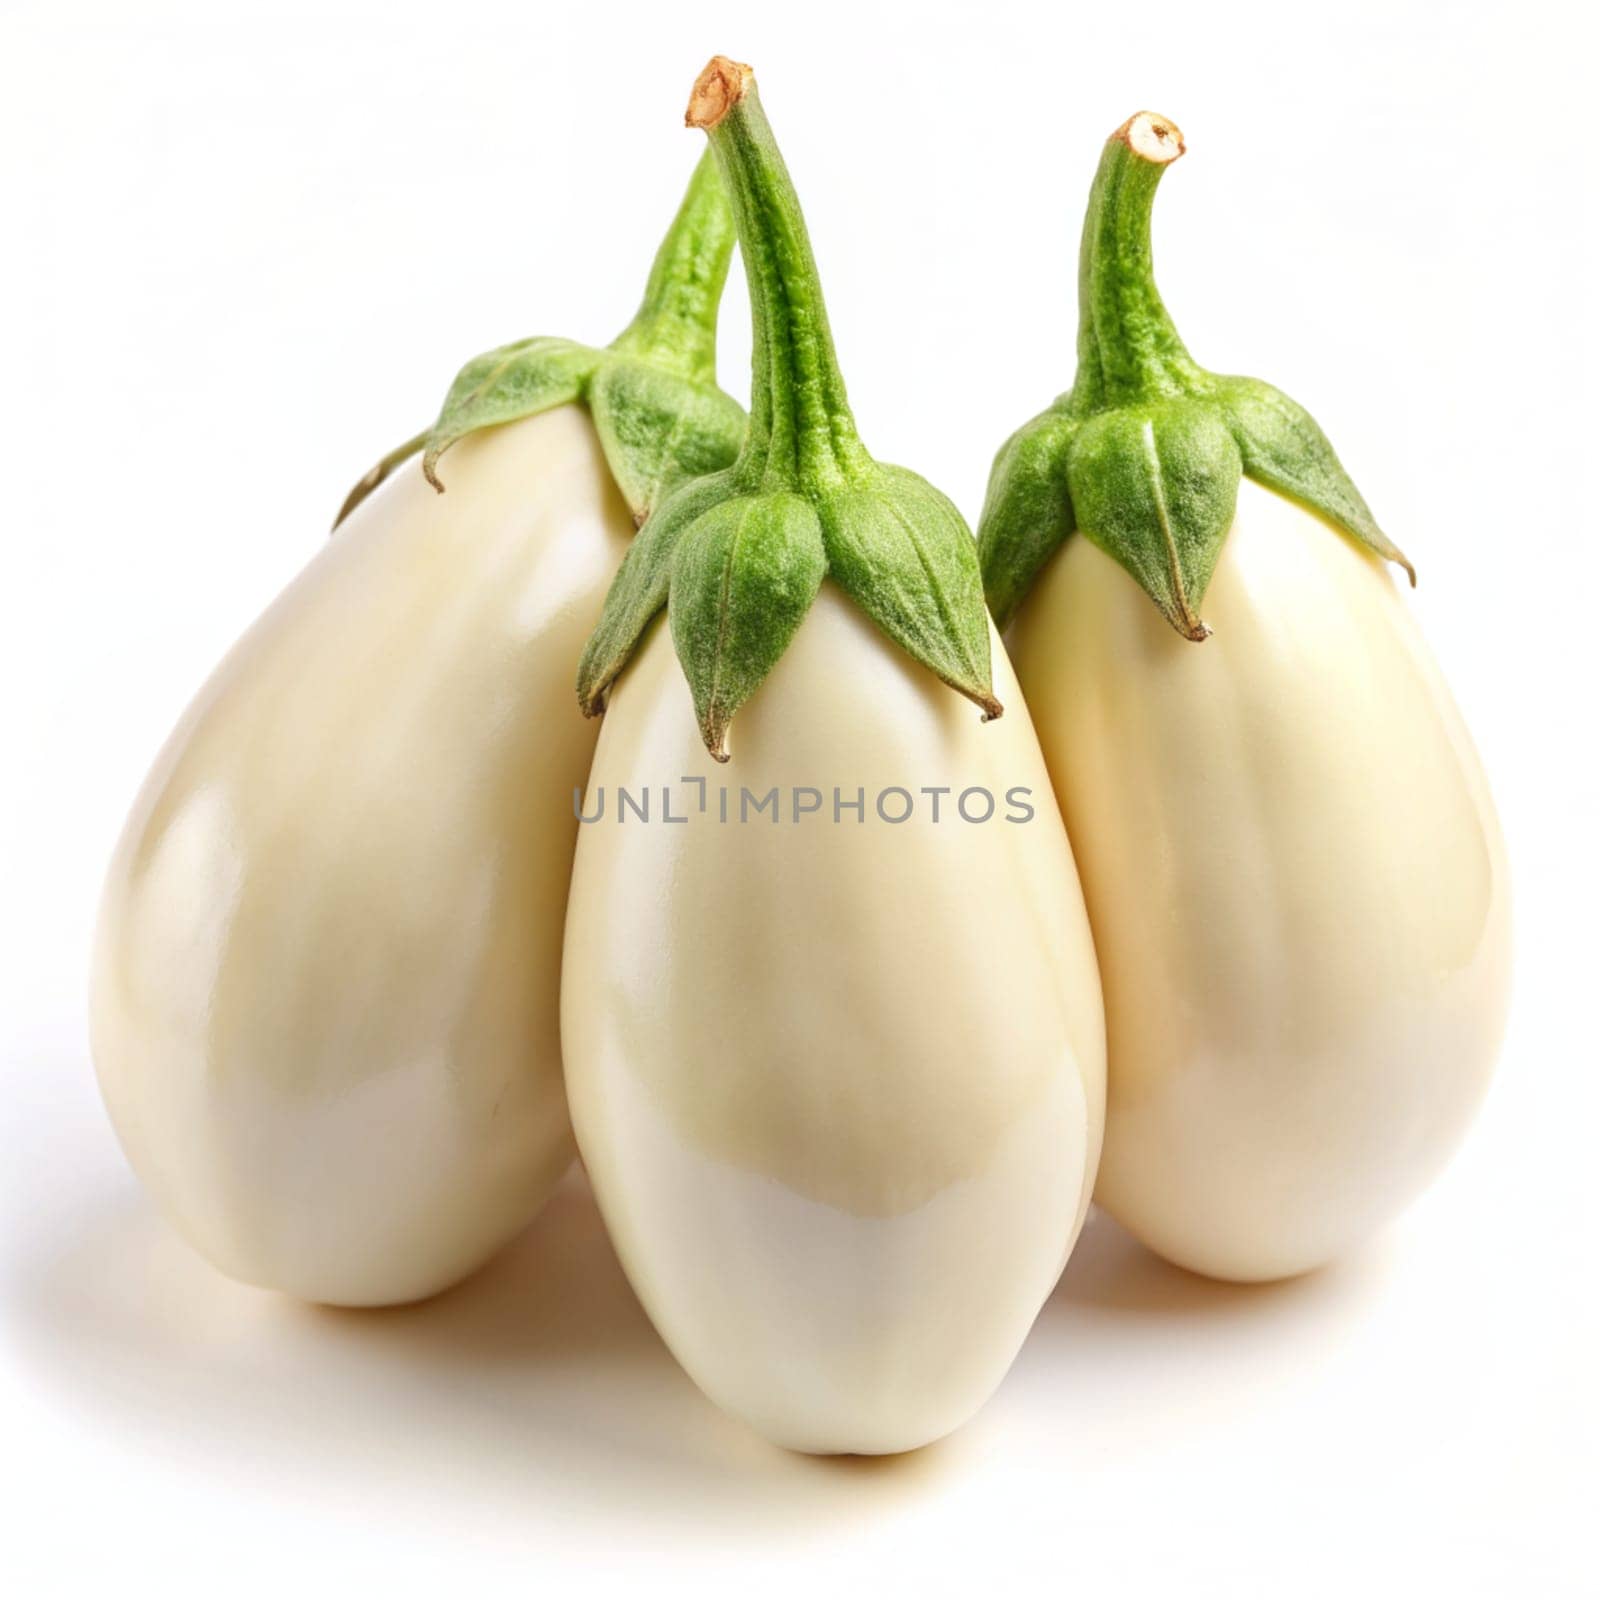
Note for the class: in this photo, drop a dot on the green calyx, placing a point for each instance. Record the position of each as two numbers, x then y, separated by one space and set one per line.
1144 453
737 558
652 392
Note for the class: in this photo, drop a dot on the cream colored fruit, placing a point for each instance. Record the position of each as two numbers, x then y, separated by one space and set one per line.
1297 886
838 1085
324 1009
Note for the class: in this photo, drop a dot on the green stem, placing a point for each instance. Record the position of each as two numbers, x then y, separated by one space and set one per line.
676 324
802 433
1128 348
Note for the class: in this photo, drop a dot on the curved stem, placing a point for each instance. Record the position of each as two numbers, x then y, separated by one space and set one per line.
1127 344
676 323
802 431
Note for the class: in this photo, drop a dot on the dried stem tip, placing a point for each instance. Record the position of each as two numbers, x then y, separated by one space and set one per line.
716 92
1152 137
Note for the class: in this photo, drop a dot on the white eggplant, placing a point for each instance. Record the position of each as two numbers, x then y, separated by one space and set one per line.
836 1065
327 968
838 1084
326 972
1293 869
1297 885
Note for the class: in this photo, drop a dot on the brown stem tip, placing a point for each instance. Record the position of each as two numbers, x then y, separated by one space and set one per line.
1153 137
716 92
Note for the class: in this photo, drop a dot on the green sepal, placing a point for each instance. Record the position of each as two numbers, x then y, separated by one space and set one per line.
517 380
738 568
1284 449
1027 512
657 428
1155 488
743 577
639 590
902 552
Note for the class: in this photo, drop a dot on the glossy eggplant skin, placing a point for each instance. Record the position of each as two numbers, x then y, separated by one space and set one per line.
838 1084
326 973
1297 885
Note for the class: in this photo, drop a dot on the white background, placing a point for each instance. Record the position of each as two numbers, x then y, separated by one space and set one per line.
246 246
